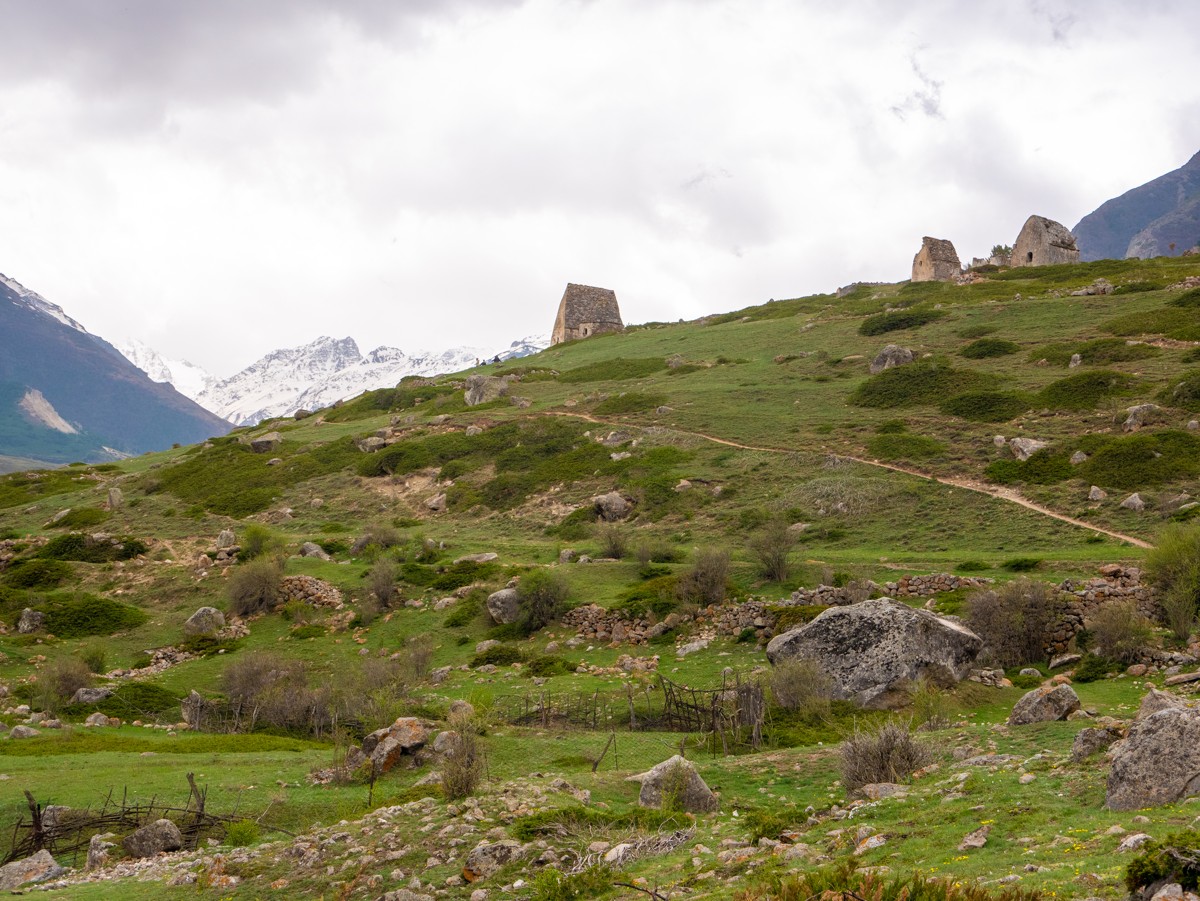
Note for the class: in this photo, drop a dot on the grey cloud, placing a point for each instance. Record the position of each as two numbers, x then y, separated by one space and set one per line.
927 99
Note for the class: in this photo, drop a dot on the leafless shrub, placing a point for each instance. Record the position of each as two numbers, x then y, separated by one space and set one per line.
889 753
930 707
463 763
613 541
381 580
844 494
772 548
59 680
254 587
1119 631
418 655
1015 620
707 581
800 684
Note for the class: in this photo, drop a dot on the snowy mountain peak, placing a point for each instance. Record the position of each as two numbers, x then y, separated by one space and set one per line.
189 379
35 301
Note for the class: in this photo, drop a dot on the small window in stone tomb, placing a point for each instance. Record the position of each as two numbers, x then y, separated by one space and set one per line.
1029 257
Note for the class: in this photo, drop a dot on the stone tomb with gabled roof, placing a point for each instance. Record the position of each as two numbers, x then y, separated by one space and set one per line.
586 311
1044 242
936 261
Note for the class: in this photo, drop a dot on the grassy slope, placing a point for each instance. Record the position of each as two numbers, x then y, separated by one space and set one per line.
799 407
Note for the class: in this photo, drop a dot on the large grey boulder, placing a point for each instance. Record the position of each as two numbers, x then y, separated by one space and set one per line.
1158 763
1044 705
1093 740
31 621
312 549
264 444
891 356
39 867
676 782
153 839
1156 700
612 506
87 695
487 858
874 650
226 539
1024 448
205 621
504 605
483 388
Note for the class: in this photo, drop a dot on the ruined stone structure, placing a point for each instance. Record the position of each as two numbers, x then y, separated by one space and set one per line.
936 261
585 311
1044 242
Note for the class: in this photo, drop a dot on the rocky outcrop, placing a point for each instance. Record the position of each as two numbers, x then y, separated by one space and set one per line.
612 507
312 549
1093 740
488 858
1158 763
385 747
874 650
484 388
153 839
674 784
265 444
1024 448
1044 705
31 621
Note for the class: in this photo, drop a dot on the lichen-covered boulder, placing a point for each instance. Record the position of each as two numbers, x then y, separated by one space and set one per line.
487 858
504 605
206 621
1158 763
612 507
891 356
386 746
1044 705
874 650
39 867
153 839
675 783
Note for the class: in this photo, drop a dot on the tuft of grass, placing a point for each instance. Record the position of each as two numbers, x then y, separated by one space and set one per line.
905 447
628 402
1100 352
984 348
81 518
616 369
1085 390
922 382
987 406
897 320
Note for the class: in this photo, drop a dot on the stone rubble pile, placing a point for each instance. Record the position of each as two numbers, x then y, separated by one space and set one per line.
312 591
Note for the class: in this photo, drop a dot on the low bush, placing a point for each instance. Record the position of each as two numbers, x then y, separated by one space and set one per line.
922 382
989 347
897 320
801 685
1141 460
615 369
500 655
1170 859
771 548
258 541
707 581
628 402
587 821
1181 323
655 596
614 543
81 518
1085 390
1099 352
541 598
1188 299
1182 392
546 665
1093 667
987 406
1045 467
463 761
83 548
241 833
551 884
36 574
131 701
1119 631
844 880
1021 564
76 614
1015 620
447 577
255 587
381 580
888 753
790 616
1173 568
94 657
904 447
61 678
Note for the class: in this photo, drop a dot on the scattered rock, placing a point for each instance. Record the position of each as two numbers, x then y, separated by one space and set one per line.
264 444
1134 502
875 649
478 558
612 507
1156 700
437 503
226 539
31 621
87 695
115 498
487 858
1139 416
1097 493
97 719
1132 842
877 791
386 746
675 780
976 839
481 389
1078 457
1065 660
312 549
23 732
1044 705
98 848
1076 361
1092 741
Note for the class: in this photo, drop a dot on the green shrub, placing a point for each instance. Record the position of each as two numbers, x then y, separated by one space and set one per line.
654 596
78 614
541 598
1183 392
83 548
922 382
255 587
587 821
81 518
1141 460
36 574
895 320
628 402
1099 352
466 611
131 701
258 540
1173 568
987 406
1139 287
1181 323
904 447
988 347
1119 631
551 884
1021 564
547 665
1171 859
1085 390
800 684
241 833
788 617
1045 467
971 566
94 657
976 331
308 630
446 577
1188 299
500 655
1094 667
891 427
771 548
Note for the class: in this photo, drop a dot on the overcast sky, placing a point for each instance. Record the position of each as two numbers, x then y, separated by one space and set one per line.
222 178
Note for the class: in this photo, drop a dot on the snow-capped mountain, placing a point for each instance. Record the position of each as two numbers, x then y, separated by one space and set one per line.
318 374
38 304
189 379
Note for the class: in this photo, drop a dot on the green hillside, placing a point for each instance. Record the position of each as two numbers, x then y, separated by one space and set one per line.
757 456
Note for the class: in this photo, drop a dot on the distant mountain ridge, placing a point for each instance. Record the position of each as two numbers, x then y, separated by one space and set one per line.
66 394
311 376
1159 218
